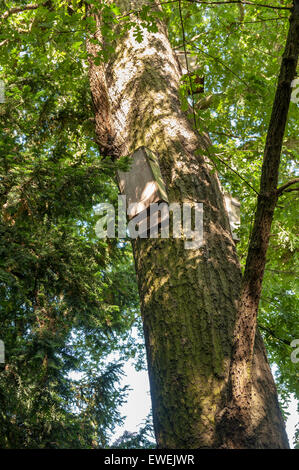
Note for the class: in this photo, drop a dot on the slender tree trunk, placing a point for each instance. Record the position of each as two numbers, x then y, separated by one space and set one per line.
239 408
189 298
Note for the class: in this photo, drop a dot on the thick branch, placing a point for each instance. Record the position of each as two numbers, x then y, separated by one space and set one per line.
103 125
283 187
12 11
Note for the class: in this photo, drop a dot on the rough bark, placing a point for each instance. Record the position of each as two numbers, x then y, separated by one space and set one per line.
189 298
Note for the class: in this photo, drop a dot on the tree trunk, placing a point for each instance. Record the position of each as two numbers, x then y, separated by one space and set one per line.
189 298
245 328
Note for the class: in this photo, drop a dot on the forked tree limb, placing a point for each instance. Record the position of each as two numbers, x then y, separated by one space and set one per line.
286 185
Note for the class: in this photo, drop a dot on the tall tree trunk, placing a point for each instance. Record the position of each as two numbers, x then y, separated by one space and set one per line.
189 298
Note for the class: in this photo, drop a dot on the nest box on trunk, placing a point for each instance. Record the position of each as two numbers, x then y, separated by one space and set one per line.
143 183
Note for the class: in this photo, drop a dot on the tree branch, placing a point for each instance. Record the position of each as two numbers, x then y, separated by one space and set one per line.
222 63
283 188
21 8
272 333
187 65
207 4
240 2
12 11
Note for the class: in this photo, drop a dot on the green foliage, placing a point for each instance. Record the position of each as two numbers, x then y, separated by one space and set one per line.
67 298
144 439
